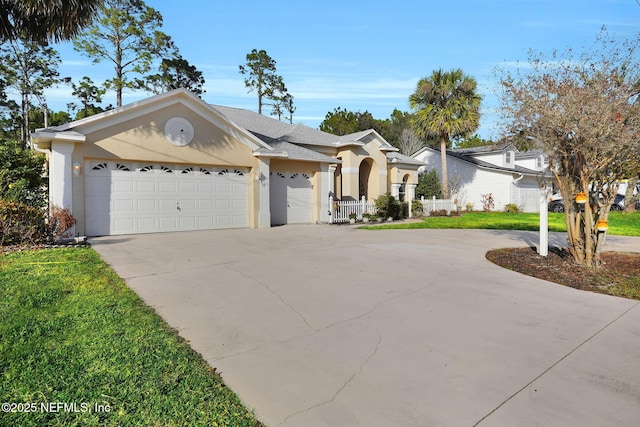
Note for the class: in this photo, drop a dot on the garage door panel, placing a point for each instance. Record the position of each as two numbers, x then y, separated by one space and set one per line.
124 199
121 185
223 221
205 205
97 187
188 187
187 205
146 187
205 188
223 204
187 222
239 204
238 220
205 221
146 205
223 188
167 205
167 187
123 206
148 224
125 224
168 223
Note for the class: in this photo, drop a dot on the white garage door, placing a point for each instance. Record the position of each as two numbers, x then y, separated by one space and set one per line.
126 198
291 198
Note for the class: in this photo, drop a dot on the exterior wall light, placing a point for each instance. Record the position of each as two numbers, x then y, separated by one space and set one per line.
602 225
581 198
76 169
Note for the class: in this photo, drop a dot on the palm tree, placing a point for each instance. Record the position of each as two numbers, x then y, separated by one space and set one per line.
45 20
447 107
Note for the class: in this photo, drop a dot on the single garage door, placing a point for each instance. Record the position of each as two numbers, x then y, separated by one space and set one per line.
127 198
291 198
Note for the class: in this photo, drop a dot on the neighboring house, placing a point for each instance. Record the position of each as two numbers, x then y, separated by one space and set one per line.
171 162
508 175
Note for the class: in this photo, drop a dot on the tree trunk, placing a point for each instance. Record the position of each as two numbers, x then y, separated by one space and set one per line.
119 73
443 158
629 199
25 121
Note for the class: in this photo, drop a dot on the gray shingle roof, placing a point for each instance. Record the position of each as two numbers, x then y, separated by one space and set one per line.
395 157
487 165
275 129
264 126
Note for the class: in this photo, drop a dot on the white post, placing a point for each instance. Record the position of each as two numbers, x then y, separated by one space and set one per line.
263 183
332 211
544 223
411 189
61 175
364 206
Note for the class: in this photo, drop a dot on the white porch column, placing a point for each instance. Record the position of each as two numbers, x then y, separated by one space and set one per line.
264 210
327 184
411 191
411 194
395 190
61 175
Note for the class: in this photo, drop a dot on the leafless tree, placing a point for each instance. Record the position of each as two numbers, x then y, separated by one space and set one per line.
409 142
583 111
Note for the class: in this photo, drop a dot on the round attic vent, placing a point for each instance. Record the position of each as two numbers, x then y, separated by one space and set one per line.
179 131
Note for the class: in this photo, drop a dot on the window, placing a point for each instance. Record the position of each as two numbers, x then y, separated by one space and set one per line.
539 163
508 158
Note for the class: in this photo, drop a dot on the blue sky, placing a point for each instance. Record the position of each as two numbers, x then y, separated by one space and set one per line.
363 55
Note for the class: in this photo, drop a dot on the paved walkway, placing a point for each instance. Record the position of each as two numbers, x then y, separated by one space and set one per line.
334 326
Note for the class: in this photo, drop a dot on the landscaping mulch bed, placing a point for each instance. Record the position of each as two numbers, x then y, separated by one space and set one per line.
618 268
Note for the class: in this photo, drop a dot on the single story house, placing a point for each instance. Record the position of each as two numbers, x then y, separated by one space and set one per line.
509 175
172 162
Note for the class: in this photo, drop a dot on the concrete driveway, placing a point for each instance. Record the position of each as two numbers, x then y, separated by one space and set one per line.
333 326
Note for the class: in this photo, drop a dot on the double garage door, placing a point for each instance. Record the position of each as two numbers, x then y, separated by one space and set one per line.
127 198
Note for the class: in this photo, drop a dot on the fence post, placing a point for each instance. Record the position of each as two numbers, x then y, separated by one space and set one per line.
364 206
331 210
434 204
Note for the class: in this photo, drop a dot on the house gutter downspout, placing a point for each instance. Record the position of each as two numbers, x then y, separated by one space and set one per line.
515 180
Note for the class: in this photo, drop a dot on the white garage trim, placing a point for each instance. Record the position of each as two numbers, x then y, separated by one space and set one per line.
291 198
128 198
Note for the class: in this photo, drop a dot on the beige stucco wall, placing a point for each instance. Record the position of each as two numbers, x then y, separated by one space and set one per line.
142 139
352 161
398 172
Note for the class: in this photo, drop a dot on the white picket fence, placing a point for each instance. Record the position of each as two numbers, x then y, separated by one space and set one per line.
341 209
429 205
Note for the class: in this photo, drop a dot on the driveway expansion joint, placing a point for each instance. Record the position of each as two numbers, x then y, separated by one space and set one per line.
556 363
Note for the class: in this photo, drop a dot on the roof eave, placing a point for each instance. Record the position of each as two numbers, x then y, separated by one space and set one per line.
44 137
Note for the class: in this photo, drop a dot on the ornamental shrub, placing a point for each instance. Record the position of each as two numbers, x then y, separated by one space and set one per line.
20 223
387 206
511 208
429 185
59 224
417 209
22 176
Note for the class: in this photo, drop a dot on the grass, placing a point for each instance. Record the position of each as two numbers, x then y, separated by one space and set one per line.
72 332
621 224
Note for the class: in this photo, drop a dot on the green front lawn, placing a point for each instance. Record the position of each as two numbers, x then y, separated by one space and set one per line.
622 224
71 332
